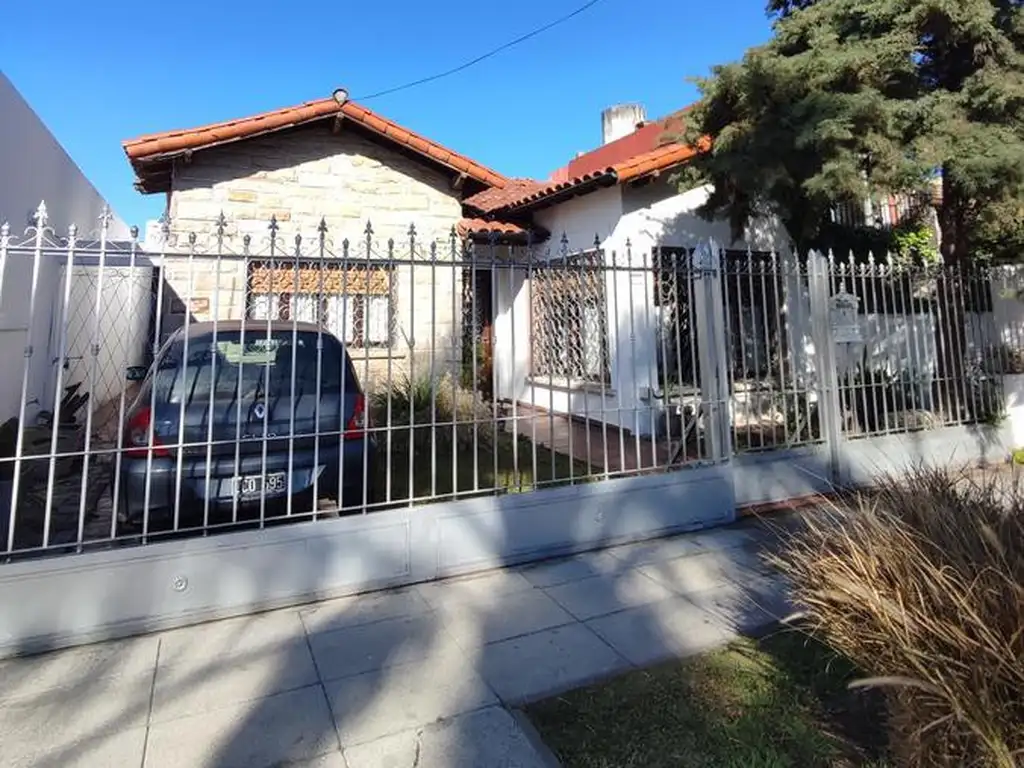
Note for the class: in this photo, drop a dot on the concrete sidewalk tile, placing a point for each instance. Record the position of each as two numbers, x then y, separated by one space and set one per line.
119 660
488 738
258 632
601 595
746 607
62 725
357 610
330 760
386 701
697 573
474 589
281 729
191 687
368 647
656 550
519 613
660 631
113 749
544 663
578 567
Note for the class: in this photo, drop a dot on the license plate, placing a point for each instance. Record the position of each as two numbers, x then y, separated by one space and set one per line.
257 485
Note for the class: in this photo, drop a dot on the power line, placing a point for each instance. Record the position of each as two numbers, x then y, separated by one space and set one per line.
482 57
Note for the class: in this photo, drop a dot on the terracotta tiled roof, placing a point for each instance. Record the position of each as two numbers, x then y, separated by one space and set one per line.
601 178
498 197
644 139
482 228
152 148
655 161
524 197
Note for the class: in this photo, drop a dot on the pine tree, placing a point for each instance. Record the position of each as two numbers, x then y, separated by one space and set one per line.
851 98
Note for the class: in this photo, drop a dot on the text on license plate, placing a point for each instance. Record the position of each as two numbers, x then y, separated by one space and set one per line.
254 485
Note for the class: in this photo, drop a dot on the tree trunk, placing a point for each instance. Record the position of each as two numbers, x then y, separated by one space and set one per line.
953 387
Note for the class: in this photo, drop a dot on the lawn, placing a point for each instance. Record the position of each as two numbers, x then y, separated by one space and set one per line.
779 701
443 463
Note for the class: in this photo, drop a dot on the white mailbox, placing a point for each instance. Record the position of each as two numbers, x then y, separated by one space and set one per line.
843 319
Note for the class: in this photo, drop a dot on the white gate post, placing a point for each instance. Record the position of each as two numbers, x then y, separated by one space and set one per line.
712 350
829 405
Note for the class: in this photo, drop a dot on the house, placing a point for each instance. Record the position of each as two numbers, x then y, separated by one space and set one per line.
566 343
596 336
334 163
34 168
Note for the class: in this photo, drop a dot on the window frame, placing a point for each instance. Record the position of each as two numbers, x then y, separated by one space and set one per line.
356 321
573 370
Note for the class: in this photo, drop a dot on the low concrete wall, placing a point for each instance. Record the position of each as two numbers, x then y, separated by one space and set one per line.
84 598
863 461
77 599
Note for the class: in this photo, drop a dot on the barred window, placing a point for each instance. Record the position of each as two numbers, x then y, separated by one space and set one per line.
674 290
354 303
569 319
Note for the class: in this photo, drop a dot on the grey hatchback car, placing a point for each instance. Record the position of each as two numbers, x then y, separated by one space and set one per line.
239 417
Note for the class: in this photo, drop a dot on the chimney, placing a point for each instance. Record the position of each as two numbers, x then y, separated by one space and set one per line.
621 120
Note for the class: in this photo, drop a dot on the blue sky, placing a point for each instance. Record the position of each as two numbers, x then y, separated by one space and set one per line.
104 71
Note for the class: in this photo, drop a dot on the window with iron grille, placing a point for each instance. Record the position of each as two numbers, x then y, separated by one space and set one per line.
674 288
569 319
750 289
355 303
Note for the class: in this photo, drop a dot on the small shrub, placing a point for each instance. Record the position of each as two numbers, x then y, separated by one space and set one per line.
432 410
921 584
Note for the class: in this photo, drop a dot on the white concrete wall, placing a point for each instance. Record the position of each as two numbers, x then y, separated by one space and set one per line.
124 311
1005 324
583 221
657 214
34 167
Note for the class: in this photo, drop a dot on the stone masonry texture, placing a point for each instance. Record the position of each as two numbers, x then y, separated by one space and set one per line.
302 177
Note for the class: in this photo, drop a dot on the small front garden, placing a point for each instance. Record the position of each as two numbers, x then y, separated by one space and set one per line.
437 440
909 650
778 701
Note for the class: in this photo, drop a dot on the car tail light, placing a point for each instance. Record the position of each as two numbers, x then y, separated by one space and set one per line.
137 435
356 426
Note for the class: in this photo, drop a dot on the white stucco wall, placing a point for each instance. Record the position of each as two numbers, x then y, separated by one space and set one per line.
34 167
581 219
656 214
628 224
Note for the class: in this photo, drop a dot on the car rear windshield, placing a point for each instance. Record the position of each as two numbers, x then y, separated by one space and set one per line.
252 366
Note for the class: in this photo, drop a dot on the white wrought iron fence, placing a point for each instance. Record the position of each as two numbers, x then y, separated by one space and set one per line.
221 384
928 348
